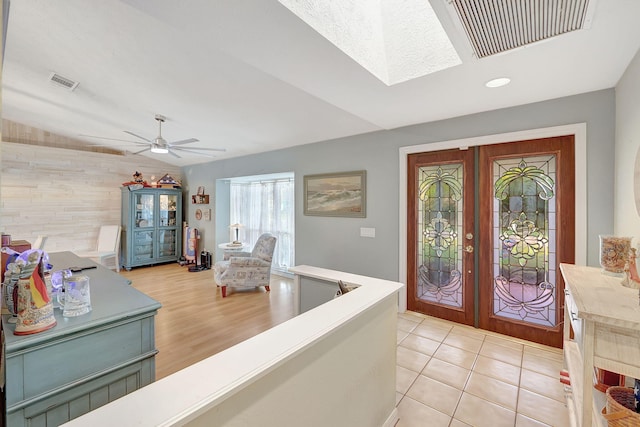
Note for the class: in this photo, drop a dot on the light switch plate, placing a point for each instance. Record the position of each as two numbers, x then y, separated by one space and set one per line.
367 232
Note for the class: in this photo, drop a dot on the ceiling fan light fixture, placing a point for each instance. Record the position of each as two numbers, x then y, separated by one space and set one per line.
159 149
159 145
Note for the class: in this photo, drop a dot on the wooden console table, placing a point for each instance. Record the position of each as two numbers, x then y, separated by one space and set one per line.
605 319
83 362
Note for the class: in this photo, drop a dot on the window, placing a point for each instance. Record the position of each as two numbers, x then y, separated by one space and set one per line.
266 206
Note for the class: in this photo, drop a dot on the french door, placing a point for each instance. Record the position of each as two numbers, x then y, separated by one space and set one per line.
487 229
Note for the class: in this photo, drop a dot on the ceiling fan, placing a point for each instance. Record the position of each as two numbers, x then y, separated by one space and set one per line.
159 145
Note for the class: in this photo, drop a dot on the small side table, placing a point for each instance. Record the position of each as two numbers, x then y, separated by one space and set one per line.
229 249
233 248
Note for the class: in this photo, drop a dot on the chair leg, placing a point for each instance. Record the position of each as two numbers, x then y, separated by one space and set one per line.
267 288
224 291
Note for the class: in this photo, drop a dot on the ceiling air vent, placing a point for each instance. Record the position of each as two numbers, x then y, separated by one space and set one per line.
63 81
495 26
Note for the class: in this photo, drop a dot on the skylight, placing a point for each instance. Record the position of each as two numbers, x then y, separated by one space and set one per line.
395 40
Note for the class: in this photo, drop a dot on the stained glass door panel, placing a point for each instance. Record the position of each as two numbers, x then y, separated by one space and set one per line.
440 264
439 232
524 230
527 213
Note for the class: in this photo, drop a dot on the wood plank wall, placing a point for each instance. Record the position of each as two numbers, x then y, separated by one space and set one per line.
65 193
23 134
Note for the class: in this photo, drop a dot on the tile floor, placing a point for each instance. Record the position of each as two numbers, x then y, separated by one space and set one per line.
454 375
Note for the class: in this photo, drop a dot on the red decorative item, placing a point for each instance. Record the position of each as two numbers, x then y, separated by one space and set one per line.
606 379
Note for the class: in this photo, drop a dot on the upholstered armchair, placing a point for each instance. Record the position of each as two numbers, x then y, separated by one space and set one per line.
246 269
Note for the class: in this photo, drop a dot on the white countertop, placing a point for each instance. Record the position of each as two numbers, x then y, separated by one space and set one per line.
598 293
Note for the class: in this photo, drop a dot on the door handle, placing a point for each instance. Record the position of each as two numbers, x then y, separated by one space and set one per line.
468 249
469 236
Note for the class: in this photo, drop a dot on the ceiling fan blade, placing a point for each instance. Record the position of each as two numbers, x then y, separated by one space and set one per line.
111 139
174 154
119 145
142 151
137 136
184 141
201 149
188 150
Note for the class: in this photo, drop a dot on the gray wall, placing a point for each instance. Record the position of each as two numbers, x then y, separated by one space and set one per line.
336 243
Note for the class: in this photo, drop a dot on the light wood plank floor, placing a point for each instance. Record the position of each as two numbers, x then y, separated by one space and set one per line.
195 322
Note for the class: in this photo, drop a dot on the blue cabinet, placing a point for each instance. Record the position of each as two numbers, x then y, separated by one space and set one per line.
151 226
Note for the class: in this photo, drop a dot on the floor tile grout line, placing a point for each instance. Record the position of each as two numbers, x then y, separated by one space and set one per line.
477 354
466 382
484 339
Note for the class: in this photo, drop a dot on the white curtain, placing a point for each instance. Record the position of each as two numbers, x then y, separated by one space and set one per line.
266 207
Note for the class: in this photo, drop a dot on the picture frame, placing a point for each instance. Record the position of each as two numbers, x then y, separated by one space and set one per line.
206 214
341 194
200 191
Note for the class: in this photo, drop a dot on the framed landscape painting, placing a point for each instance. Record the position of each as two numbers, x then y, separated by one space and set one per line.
336 194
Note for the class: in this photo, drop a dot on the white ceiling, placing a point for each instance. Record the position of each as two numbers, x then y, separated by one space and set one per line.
250 76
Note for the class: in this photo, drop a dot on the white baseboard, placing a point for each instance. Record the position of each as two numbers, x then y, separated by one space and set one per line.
393 419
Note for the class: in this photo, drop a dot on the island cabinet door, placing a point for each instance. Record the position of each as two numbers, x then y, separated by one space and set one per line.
69 376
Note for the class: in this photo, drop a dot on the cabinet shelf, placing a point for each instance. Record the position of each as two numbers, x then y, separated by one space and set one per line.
200 199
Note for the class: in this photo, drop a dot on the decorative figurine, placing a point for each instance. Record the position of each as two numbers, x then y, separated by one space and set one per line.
168 182
137 177
32 302
137 183
631 278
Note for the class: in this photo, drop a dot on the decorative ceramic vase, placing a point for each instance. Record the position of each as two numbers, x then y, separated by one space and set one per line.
614 254
31 318
10 290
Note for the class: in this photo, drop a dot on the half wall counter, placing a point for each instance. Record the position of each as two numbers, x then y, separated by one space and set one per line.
332 365
83 362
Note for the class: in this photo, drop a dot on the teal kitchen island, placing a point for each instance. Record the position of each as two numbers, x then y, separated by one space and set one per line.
83 362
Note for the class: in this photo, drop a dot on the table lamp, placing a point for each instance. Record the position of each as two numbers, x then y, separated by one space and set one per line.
237 228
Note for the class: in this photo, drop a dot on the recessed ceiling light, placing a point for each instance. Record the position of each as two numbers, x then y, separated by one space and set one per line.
501 81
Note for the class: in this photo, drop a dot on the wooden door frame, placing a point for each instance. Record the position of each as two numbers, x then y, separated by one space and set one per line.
579 130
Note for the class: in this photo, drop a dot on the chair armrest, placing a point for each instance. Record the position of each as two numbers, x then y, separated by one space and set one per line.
243 261
227 255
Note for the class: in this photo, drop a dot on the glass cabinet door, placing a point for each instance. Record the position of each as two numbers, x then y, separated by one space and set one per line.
143 245
144 210
168 204
166 243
